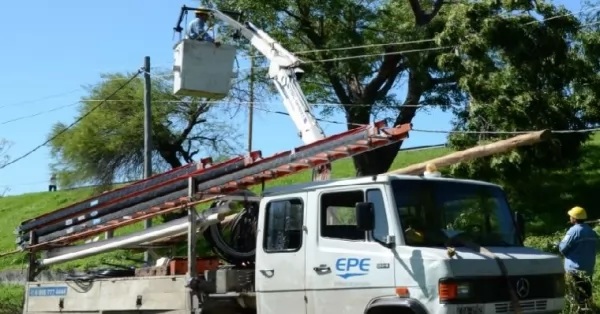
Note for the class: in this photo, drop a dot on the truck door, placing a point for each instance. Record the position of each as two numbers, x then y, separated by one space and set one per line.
280 258
345 267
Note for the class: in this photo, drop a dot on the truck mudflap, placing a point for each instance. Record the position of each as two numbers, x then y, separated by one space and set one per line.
393 302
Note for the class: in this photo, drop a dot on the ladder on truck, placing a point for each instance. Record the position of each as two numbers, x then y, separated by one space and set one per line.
251 170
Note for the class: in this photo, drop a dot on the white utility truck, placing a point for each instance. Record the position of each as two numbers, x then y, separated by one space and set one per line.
375 245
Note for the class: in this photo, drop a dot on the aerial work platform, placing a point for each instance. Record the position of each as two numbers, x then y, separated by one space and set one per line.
203 69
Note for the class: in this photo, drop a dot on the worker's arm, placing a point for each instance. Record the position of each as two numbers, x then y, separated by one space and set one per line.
207 37
195 29
565 244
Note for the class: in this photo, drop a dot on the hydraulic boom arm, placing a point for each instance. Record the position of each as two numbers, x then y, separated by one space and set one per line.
284 72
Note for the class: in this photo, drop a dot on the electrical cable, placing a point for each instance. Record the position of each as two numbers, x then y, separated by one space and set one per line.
40 99
590 130
38 113
248 102
70 125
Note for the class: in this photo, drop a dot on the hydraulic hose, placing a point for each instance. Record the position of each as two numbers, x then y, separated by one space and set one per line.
238 247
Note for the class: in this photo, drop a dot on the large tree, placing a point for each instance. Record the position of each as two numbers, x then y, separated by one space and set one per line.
363 52
523 74
108 145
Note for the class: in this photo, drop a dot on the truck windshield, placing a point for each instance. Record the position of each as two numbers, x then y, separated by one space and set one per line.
434 212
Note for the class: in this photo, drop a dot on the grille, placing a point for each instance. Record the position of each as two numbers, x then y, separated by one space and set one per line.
527 306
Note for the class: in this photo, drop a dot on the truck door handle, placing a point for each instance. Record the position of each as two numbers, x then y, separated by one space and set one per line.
267 272
322 269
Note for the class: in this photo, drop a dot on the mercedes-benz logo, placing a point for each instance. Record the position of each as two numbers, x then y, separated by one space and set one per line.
522 288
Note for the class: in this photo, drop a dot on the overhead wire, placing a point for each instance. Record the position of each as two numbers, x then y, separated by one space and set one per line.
590 130
40 99
70 125
33 115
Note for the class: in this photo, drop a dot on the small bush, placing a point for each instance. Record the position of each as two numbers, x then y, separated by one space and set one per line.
571 305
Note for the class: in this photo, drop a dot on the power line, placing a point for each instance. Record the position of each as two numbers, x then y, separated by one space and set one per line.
591 130
40 99
208 102
70 125
38 113
246 102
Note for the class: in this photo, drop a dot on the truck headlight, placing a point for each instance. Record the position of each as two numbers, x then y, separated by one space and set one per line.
450 291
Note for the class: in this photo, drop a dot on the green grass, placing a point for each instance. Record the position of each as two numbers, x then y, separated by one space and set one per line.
10 299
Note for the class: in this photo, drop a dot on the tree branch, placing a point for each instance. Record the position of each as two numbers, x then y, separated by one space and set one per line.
192 122
317 40
388 70
422 18
389 83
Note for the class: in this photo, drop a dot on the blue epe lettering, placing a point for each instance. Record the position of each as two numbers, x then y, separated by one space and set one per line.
352 267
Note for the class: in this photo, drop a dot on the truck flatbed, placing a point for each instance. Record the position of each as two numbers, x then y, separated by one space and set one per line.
152 294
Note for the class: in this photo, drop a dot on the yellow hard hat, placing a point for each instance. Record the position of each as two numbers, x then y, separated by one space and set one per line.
577 213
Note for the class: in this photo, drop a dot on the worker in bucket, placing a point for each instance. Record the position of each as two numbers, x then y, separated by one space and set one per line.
196 30
579 249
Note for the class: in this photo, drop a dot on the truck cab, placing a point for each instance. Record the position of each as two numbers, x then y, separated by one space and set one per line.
396 244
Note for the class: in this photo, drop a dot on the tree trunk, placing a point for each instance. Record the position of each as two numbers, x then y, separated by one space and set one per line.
169 153
380 160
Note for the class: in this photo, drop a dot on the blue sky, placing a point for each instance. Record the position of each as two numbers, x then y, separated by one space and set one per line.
52 48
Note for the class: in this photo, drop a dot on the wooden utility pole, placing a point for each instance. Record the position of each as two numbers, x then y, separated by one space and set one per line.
147 135
477 152
251 105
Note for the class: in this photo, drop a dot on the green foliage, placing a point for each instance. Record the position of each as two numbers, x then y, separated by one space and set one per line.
521 74
108 144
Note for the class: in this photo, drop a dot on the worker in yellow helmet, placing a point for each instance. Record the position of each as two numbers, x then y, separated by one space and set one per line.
579 249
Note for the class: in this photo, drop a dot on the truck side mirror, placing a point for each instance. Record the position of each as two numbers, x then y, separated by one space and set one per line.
520 222
365 216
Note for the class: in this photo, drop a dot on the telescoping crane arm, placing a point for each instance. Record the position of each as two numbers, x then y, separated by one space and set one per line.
284 72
